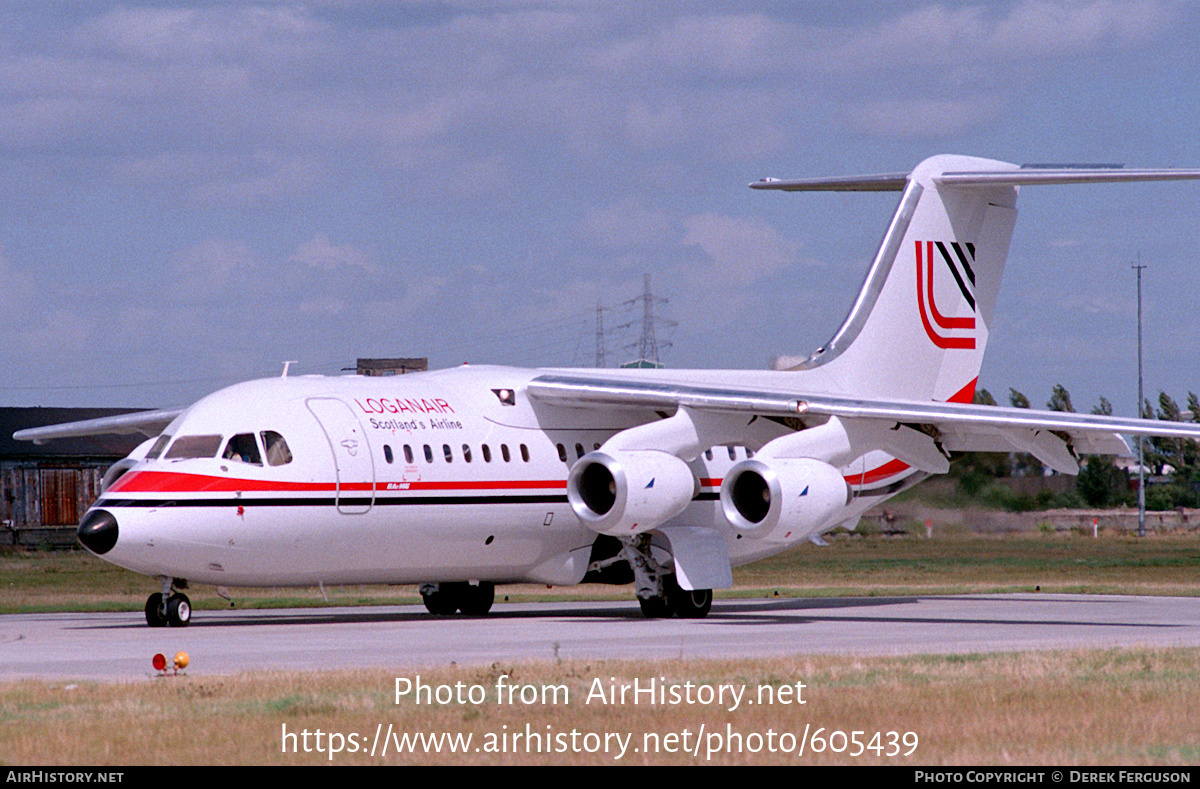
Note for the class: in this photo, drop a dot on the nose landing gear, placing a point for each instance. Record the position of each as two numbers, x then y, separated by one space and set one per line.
169 607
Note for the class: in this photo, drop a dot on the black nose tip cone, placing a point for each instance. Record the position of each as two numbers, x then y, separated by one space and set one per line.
98 532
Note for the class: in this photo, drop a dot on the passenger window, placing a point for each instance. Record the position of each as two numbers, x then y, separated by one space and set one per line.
158 447
466 453
708 453
387 453
186 447
428 454
578 450
732 453
242 448
449 454
504 452
562 453
525 453
278 453
408 455
487 454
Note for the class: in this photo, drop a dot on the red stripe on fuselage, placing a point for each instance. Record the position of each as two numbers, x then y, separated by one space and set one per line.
175 482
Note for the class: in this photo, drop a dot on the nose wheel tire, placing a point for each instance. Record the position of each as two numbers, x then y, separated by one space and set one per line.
156 612
177 612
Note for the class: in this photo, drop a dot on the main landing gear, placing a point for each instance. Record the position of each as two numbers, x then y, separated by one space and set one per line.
658 592
169 607
444 599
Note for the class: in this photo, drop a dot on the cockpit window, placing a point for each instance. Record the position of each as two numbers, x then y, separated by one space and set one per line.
159 445
278 453
193 447
243 449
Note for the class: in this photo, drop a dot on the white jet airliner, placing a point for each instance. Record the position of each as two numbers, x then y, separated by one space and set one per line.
463 478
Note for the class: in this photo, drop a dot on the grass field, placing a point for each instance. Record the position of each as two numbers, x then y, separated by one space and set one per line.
851 565
1098 707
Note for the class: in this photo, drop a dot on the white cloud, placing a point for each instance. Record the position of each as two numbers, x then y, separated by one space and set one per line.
208 268
738 250
322 306
936 34
735 254
629 225
17 290
172 34
61 331
1043 28
320 253
926 117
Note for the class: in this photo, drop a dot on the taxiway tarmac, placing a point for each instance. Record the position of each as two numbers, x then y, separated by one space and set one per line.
119 646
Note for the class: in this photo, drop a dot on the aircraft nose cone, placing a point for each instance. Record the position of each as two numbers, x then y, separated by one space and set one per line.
98 532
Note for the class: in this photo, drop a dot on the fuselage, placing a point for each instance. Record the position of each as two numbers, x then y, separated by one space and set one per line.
449 475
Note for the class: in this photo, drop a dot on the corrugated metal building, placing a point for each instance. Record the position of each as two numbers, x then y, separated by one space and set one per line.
44 490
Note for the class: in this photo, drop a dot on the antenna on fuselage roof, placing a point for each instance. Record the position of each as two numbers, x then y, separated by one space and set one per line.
286 365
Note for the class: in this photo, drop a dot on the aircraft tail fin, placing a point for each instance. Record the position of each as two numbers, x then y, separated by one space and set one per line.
920 323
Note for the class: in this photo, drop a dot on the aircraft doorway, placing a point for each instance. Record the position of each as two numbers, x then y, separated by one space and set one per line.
354 466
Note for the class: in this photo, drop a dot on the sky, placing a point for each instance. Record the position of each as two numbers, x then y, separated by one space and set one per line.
194 193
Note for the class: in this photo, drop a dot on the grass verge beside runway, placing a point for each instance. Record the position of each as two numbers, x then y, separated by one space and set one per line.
852 565
1095 707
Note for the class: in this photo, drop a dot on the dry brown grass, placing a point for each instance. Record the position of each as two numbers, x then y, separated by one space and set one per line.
1130 707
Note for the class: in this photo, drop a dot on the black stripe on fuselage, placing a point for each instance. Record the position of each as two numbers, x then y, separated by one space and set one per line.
349 501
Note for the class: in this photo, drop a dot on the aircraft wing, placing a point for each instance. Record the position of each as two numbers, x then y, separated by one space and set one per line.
148 423
957 427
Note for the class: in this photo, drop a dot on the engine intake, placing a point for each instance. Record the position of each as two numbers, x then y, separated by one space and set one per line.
783 499
622 493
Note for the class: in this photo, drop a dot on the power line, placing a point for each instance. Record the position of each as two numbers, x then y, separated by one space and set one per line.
648 345
601 347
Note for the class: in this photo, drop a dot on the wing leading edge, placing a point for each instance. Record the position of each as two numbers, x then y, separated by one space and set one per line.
148 423
957 427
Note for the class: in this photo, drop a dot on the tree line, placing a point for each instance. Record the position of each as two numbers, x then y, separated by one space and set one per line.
1172 464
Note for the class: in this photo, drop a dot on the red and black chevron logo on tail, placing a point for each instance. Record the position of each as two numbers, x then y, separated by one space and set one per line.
959 258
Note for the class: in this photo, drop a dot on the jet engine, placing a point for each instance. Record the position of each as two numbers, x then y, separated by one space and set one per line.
626 492
782 499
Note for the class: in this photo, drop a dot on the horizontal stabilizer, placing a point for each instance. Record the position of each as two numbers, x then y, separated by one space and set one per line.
1028 175
1037 176
886 182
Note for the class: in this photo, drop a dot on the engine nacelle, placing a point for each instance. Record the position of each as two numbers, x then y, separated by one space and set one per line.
622 493
783 499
